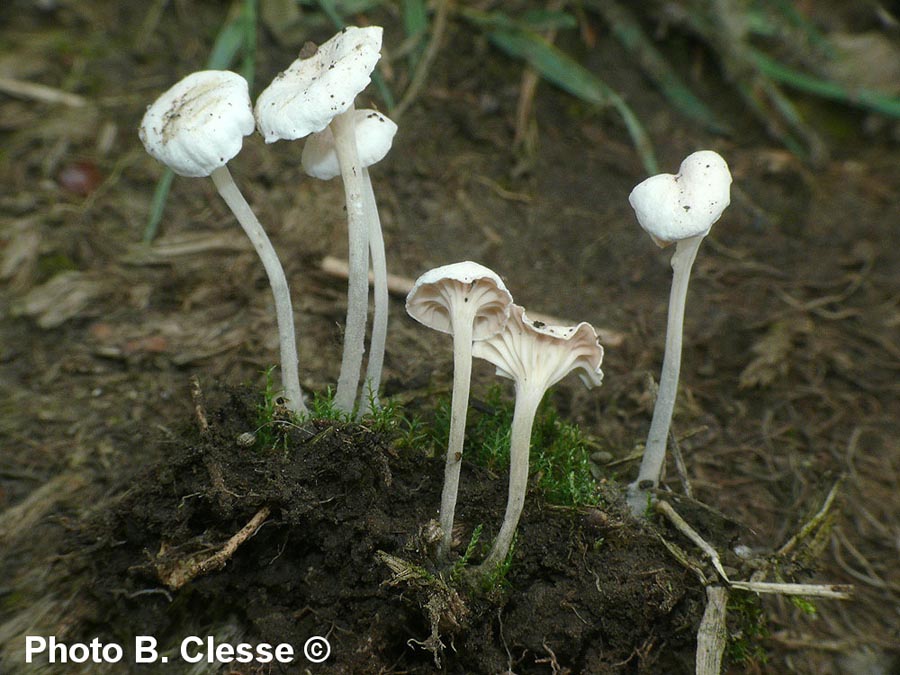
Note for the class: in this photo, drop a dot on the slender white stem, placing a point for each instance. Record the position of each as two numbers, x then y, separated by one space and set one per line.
528 397
462 327
290 378
342 127
655 450
379 281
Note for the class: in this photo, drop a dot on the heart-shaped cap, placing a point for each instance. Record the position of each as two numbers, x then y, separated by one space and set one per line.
675 207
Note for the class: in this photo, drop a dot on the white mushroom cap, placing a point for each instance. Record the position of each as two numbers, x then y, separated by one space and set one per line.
671 208
440 292
312 91
533 353
374 137
199 124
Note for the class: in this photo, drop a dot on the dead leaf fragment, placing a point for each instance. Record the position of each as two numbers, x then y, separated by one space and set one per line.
64 297
773 353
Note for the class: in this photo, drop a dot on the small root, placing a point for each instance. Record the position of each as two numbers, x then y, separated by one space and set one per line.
177 574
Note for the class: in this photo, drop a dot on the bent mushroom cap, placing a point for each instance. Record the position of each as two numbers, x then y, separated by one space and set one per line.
312 91
374 137
436 293
538 356
199 124
675 207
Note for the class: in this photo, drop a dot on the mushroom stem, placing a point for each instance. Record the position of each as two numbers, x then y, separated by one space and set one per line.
342 127
655 449
528 398
377 342
462 377
290 378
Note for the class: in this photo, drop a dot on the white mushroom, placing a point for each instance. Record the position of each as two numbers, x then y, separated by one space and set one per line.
470 302
374 136
535 356
195 128
680 209
318 92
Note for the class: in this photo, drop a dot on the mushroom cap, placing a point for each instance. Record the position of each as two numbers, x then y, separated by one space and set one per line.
312 91
536 355
199 124
374 137
462 286
675 207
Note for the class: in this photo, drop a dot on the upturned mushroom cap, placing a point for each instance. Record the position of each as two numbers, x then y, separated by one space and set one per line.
675 207
374 137
199 124
312 91
441 291
532 352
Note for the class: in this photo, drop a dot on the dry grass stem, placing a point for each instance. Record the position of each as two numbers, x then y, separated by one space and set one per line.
682 526
712 636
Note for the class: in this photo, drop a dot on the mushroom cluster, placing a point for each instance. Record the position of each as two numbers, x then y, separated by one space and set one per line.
471 302
317 93
198 125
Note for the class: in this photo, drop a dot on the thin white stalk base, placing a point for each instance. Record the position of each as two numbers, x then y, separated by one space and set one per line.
375 365
290 378
655 449
527 401
462 377
358 240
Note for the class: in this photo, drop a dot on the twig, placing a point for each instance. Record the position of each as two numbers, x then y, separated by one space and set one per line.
805 531
788 642
813 523
712 636
837 591
870 577
189 569
40 92
214 470
680 465
199 407
682 526
337 268
684 559
421 75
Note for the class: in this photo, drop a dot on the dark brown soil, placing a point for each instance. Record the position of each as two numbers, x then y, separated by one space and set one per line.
590 590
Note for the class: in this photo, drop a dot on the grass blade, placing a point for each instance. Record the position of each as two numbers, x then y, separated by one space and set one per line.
228 43
631 35
158 205
862 98
249 21
415 24
560 69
